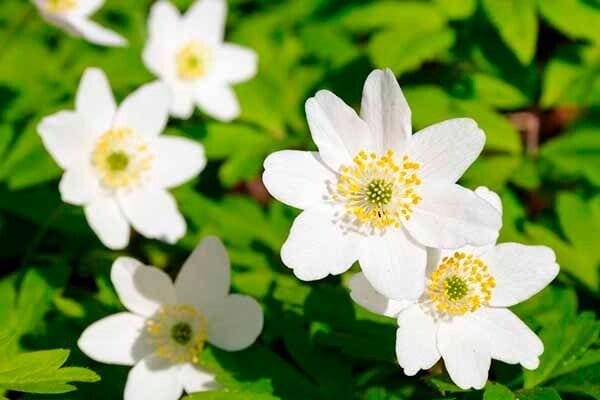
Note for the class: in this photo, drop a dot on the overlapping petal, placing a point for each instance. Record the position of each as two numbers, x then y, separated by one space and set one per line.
107 221
235 323
153 378
363 293
416 343
145 111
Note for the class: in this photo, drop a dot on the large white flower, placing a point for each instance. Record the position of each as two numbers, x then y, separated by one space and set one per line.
167 325
462 316
376 193
73 16
117 166
187 52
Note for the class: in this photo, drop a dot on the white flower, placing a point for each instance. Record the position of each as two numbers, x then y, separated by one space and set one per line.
376 193
117 166
167 325
73 16
462 316
187 52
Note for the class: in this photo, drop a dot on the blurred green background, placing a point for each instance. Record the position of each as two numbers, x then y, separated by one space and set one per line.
528 71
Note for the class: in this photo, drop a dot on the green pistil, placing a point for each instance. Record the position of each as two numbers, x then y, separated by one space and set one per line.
456 288
117 161
379 192
181 333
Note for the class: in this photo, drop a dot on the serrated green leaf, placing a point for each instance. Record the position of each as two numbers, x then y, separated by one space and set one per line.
578 19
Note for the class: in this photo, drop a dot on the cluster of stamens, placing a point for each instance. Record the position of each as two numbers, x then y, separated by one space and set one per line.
193 60
378 192
60 5
121 157
460 284
177 332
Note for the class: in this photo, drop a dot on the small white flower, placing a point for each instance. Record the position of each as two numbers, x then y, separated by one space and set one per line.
187 52
376 193
117 166
167 325
462 316
73 16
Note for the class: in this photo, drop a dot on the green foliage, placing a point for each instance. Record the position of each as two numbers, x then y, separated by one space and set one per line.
527 71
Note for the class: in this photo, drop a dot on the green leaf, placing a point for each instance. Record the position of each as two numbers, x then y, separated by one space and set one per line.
578 19
41 372
496 391
457 9
538 394
516 22
496 92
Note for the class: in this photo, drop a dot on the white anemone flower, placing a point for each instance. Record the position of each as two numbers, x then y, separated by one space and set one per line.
376 193
462 316
188 53
167 326
117 165
73 16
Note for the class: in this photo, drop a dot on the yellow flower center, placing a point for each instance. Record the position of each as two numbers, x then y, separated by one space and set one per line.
460 284
58 6
121 157
177 332
193 60
378 192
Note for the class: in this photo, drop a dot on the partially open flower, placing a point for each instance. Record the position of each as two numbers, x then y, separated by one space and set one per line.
167 326
462 316
187 53
117 165
73 16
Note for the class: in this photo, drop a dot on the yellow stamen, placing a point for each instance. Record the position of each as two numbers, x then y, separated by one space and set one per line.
193 60
58 6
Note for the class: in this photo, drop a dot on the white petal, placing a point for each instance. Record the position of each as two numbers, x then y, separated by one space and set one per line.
297 178
142 289
66 136
153 213
205 276
490 196
465 351
88 7
363 293
416 344
205 20
96 33
146 110
234 63
182 101
519 271
510 340
217 100
194 379
79 185
153 378
445 150
177 160
116 339
235 323
95 101
317 247
386 111
164 20
336 129
106 220
450 216
394 264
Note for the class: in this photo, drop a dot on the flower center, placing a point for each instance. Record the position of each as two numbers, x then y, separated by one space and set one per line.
121 157
378 192
460 284
193 60
177 332
58 6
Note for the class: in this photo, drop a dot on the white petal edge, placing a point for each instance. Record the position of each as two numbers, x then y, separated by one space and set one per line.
194 379
205 20
235 323
115 339
177 160
317 247
65 136
95 33
146 110
142 289
416 343
394 264
234 64
336 129
153 378
445 150
204 279
153 212
106 220
297 178
520 271
385 109
450 216
363 293
95 101
217 100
